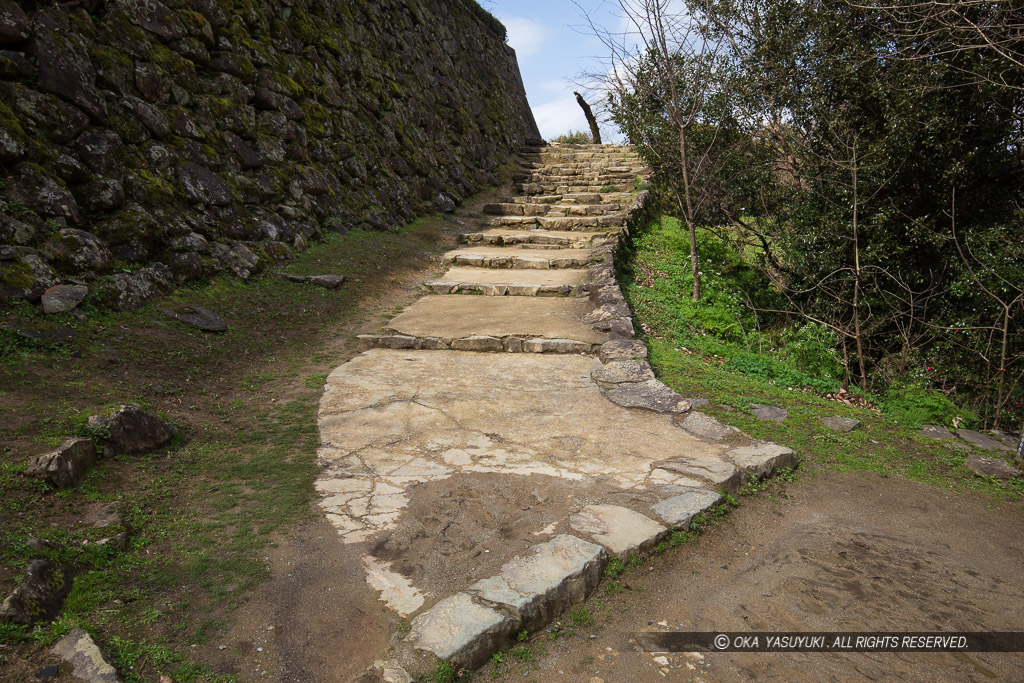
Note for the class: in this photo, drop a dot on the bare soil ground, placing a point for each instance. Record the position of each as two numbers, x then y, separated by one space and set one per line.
462 529
835 552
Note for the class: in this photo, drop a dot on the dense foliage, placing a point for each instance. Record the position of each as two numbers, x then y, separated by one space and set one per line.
868 159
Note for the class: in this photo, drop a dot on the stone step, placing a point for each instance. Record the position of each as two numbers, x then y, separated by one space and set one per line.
578 179
592 223
593 198
504 238
531 189
558 207
491 323
524 259
516 209
507 282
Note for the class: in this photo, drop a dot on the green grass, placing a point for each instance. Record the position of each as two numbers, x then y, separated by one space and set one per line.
721 350
728 328
203 511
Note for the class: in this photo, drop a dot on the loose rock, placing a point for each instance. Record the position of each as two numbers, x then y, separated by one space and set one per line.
40 595
88 664
840 424
63 298
936 432
706 426
325 281
133 431
65 466
991 467
199 318
762 412
649 395
983 441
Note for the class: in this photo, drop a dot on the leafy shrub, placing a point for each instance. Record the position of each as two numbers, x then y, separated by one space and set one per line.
574 137
913 406
811 348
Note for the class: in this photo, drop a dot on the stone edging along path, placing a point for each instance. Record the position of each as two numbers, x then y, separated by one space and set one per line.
521 365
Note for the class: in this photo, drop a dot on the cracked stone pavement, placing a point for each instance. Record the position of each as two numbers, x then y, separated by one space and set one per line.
521 364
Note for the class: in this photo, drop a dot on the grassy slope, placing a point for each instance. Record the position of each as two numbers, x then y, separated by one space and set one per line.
202 509
699 348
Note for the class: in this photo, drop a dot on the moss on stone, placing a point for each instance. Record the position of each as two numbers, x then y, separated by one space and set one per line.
17 275
159 192
173 63
9 122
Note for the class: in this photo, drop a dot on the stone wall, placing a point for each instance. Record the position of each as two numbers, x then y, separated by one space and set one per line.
148 142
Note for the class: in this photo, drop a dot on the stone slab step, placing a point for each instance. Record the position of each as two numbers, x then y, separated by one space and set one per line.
481 344
458 317
557 206
523 259
537 588
610 220
506 282
531 189
502 237
620 530
680 510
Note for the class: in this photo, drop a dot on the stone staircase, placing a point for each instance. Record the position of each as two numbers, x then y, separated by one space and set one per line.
553 245
520 365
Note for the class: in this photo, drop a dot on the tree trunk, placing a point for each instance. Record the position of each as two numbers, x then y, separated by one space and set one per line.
689 216
595 132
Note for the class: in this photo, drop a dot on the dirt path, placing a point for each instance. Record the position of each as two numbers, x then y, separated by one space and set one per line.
844 552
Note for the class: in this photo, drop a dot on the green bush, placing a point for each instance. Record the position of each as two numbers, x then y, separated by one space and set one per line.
574 137
913 406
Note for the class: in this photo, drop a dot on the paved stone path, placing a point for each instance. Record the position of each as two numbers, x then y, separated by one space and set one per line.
521 364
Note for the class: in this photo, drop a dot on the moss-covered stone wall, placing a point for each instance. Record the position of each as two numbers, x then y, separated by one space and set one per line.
160 141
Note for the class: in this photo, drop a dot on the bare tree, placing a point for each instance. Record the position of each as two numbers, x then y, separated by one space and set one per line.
666 53
1008 296
992 30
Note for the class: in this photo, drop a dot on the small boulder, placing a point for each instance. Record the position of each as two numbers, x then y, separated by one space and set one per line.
87 662
45 194
64 466
15 25
40 595
936 432
840 424
444 204
133 431
991 467
199 318
63 298
325 281
622 349
771 413
982 441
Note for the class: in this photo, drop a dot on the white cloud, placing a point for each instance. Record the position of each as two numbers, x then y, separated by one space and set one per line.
526 36
563 115
559 116
553 86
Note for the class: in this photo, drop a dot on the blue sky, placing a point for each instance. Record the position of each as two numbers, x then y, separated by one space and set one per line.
554 47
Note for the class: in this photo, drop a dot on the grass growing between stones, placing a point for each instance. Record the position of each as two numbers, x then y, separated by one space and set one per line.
203 512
